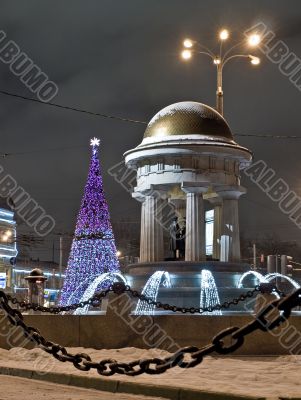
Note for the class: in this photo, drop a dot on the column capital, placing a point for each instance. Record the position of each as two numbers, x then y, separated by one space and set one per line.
138 196
157 191
230 192
195 187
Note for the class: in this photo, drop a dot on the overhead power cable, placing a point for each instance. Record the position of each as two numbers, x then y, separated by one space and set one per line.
134 121
71 108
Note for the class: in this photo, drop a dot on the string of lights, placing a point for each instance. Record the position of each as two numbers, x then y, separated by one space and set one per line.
150 290
91 255
114 117
209 294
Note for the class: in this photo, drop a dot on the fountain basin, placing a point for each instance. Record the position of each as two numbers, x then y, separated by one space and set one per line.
186 280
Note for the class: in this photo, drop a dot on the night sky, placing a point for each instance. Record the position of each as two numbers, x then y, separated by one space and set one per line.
121 57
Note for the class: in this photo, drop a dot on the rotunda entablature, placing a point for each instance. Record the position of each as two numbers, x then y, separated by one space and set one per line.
187 142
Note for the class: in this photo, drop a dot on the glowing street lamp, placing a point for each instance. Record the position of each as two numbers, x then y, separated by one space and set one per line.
224 34
254 60
192 47
254 39
186 54
188 43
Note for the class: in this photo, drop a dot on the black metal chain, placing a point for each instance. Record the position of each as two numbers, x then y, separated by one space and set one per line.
200 310
186 357
120 287
56 310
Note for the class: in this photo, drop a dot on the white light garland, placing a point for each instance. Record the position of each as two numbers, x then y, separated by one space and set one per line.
150 290
209 295
108 276
256 274
267 278
275 275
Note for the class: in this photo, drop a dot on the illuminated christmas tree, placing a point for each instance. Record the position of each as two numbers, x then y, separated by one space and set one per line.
93 250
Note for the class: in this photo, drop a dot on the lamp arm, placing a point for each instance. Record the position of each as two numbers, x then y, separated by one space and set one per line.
206 53
201 46
232 48
234 56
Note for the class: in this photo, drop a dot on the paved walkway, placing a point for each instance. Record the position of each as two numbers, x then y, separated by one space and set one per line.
13 388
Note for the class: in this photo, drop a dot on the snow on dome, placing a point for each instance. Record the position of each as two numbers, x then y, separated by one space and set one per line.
189 118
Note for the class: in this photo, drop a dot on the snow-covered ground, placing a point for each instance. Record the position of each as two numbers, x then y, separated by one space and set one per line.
266 376
13 388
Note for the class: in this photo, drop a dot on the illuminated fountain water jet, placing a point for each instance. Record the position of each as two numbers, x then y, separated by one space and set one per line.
267 278
275 275
209 295
100 281
150 290
258 275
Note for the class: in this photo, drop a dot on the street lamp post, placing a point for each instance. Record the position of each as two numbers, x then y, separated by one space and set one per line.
220 60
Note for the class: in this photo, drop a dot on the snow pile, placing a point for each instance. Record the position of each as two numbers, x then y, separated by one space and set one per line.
257 376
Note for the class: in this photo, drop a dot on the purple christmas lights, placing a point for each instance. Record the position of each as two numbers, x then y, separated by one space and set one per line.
93 250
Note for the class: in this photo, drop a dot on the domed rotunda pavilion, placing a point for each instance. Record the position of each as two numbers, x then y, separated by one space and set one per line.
187 157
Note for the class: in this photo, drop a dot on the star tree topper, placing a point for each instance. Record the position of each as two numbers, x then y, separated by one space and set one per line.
94 142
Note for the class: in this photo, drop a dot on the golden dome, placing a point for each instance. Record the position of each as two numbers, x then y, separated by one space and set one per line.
189 118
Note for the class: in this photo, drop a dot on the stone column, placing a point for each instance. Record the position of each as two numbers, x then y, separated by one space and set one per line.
159 245
142 232
195 246
149 239
141 198
230 239
151 232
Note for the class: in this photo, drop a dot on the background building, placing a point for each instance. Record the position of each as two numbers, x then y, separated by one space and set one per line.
8 247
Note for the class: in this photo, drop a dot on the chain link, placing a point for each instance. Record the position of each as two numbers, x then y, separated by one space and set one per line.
120 287
56 310
186 357
263 288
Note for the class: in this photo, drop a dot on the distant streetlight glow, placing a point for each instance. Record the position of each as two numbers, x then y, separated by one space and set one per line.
186 54
118 253
217 61
254 40
188 43
224 34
